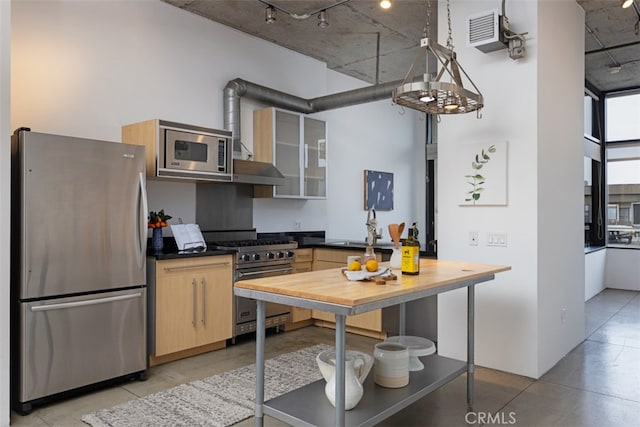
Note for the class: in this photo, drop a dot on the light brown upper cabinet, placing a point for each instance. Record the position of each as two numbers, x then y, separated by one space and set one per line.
297 146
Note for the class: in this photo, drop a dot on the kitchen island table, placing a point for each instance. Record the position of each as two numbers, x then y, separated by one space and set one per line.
329 290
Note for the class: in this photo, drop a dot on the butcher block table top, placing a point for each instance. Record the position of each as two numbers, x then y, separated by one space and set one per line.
332 287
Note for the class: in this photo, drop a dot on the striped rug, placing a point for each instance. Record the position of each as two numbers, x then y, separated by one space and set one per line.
217 401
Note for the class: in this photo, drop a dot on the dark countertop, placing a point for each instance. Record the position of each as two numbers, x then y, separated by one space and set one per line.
176 255
170 251
305 239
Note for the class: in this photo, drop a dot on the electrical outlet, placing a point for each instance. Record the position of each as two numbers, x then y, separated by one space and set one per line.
297 224
473 238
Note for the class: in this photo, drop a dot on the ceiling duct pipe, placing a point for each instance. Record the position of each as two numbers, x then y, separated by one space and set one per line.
237 88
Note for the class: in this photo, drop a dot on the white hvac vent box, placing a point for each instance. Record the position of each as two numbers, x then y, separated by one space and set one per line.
485 31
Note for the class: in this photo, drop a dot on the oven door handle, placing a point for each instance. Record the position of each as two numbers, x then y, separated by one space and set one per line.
255 273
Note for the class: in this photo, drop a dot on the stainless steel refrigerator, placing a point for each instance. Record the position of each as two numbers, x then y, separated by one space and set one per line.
78 279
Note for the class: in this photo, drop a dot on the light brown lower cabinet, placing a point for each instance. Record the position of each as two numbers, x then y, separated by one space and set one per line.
369 323
302 262
192 310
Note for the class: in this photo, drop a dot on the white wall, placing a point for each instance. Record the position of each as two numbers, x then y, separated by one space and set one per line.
518 324
594 273
560 180
111 63
5 179
623 269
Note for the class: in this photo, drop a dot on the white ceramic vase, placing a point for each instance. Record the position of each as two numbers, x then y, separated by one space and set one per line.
357 367
391 366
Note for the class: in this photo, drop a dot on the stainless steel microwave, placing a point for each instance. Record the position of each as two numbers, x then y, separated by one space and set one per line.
194 152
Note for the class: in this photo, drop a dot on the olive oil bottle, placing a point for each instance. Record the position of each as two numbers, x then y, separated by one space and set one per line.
411 252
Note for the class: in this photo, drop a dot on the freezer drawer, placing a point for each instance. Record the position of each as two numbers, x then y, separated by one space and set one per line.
72 342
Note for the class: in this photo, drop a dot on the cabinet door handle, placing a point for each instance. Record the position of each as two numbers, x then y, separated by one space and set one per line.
193 285
210 264
204 301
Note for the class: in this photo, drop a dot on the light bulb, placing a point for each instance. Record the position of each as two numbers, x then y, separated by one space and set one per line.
323 22
626 3
270 15
385 4
451 104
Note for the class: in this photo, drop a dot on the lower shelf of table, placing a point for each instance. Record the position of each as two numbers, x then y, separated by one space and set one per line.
308 405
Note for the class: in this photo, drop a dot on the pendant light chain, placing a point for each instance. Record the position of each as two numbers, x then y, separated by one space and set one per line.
427 28
449 37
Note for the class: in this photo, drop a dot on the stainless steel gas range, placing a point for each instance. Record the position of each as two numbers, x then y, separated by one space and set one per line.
257 258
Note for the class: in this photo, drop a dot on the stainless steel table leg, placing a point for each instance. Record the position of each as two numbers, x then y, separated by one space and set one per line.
402 322
470 344
340 362
260 338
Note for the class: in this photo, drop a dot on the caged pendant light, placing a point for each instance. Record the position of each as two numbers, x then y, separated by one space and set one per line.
434 94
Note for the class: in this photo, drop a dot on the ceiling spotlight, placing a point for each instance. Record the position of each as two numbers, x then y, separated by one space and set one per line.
385 4
614 69
322 19
270 15
626 3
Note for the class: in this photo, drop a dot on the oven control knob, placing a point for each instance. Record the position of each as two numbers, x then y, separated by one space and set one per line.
270 255
256 257
290 254
245 257
280 254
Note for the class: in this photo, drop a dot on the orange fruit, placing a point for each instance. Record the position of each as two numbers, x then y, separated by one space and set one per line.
372 265
355 266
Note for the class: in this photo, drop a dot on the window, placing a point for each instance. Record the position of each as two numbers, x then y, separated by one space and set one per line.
623 117
594 212
612 214
622 111
593 217
623 184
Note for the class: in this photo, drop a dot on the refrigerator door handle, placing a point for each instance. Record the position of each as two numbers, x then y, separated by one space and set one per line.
142 220
64 305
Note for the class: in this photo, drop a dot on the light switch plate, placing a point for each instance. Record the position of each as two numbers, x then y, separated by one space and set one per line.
497 239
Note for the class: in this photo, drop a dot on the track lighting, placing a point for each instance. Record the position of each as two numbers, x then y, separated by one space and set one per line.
626 3
322 19
270 15
385 4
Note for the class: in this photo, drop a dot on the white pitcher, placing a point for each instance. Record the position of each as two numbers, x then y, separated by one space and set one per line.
357 367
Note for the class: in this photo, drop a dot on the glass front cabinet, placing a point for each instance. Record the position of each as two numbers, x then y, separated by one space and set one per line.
297 146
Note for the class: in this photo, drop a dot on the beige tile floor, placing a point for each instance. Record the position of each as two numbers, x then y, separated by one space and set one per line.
596 384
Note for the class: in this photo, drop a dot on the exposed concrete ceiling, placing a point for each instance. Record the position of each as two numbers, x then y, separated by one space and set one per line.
611 41
379 46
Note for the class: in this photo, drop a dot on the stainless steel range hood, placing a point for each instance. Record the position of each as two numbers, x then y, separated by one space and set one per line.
251 172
